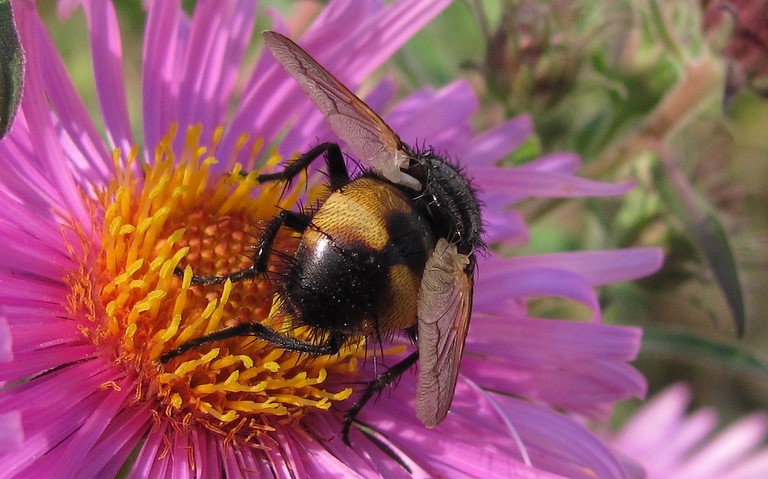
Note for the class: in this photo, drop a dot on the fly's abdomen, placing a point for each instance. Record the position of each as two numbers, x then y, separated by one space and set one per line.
359 265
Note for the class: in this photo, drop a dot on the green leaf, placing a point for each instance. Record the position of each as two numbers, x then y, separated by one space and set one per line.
713 242
699 349
11 68
707 233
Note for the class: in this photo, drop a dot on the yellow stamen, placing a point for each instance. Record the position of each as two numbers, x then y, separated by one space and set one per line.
182 215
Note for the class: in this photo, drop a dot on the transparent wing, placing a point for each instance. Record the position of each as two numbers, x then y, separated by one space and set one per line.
361 128
445 305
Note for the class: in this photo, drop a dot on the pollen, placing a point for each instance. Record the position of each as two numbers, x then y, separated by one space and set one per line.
161 222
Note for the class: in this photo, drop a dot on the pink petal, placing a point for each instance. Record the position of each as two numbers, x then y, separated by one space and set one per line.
672 444
150 462
578 453
493 292
664 411
6 342
517 183
86 150
77 447
382 31
471 417
490 146
12 432
663 421
164 46
415 119
597 267
179 463
564 162
47 419
508 227
107 54
218 37
576 366
65 8
728 448
47 171
315 126
329 456
125 431
749 468
381 94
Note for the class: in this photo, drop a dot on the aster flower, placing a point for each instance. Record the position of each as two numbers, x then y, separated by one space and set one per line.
670 443
95 228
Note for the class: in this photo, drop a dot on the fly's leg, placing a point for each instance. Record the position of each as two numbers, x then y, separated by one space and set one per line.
334 161
376 386
334 342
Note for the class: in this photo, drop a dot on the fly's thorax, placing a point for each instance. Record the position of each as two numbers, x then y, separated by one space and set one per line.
358 267
448 201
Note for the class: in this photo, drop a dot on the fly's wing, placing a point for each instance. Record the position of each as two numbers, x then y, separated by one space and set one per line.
360 127
445 305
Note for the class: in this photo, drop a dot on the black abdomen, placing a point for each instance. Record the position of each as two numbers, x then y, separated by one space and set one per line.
358 267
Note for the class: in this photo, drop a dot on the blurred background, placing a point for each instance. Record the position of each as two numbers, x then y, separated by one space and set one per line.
671 94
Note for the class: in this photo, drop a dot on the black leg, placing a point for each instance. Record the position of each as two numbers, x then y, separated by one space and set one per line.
334 342
377 385
338 177
289 219
334 160
375 438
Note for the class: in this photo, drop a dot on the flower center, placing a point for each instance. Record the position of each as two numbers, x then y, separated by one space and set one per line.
177 214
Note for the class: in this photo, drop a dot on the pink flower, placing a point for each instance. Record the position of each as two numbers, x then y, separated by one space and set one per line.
94 228
671 444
